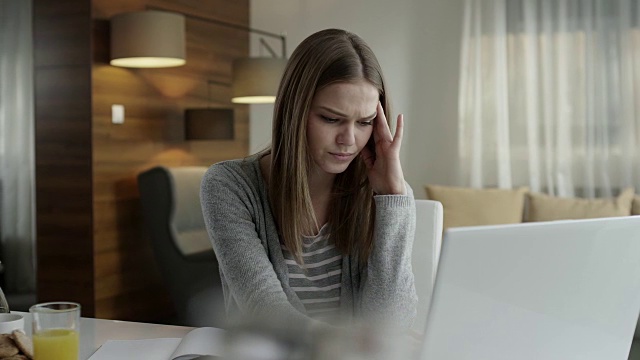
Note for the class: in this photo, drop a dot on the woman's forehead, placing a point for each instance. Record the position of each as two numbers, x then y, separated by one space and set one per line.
353 98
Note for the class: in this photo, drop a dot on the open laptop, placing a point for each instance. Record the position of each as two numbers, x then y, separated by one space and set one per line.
552 290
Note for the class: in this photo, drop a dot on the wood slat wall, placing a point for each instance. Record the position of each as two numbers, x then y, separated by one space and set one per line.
123 277
64 189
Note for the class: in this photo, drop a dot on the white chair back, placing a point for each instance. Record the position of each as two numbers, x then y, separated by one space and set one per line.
425 255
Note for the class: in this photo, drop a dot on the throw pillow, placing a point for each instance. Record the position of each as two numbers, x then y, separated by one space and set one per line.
473 207
636 206
543 207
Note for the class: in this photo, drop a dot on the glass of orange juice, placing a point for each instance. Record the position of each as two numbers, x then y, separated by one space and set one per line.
56 330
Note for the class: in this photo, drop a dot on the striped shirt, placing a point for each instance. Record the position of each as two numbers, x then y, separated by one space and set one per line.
317 283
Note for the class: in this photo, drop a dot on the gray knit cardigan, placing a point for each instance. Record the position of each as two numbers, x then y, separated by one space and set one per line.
253 271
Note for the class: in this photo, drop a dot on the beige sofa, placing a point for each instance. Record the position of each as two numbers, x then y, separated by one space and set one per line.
477 207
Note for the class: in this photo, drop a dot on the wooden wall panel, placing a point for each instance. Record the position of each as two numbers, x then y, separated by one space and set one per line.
62 76
92 247
62 33
127 283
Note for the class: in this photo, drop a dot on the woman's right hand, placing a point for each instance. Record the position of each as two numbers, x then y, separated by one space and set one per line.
383 165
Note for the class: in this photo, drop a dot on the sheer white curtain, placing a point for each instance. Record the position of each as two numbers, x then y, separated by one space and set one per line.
17 196
550 95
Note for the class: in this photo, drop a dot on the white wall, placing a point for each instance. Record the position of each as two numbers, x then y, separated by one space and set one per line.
417 43
432 146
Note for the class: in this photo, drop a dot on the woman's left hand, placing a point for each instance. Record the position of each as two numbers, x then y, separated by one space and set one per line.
384 169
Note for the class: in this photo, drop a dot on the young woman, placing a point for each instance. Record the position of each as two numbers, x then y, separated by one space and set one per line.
320 225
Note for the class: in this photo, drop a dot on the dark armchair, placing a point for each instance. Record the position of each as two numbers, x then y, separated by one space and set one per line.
171 209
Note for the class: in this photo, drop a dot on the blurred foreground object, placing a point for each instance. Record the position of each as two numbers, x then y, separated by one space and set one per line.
262 341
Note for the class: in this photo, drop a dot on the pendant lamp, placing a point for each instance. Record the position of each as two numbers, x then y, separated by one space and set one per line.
148 39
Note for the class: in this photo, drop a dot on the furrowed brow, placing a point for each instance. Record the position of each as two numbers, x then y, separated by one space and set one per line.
338 113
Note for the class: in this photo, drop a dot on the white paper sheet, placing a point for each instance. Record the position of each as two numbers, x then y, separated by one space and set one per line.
200 341
149 349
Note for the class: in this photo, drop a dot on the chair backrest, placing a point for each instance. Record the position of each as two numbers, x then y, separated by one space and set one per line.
186 220
170 199
425 255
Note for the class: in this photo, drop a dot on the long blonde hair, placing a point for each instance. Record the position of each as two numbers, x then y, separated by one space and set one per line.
326 57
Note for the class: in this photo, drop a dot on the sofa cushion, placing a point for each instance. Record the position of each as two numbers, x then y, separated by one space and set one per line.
636 206
542 207
472 207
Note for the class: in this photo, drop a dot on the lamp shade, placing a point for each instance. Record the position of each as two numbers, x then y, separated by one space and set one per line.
148 39
256 80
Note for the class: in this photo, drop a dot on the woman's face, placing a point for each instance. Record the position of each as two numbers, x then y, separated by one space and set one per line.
340 123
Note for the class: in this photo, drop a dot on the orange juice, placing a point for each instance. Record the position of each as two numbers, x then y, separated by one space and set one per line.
56 344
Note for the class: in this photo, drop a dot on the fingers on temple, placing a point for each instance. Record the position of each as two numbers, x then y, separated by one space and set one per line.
397 138
382 129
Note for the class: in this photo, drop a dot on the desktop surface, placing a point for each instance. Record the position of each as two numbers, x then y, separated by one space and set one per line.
95 332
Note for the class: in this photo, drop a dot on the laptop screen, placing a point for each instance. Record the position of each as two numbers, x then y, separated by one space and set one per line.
552 290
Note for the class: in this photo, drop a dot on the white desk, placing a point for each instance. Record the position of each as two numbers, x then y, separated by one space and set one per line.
95 332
